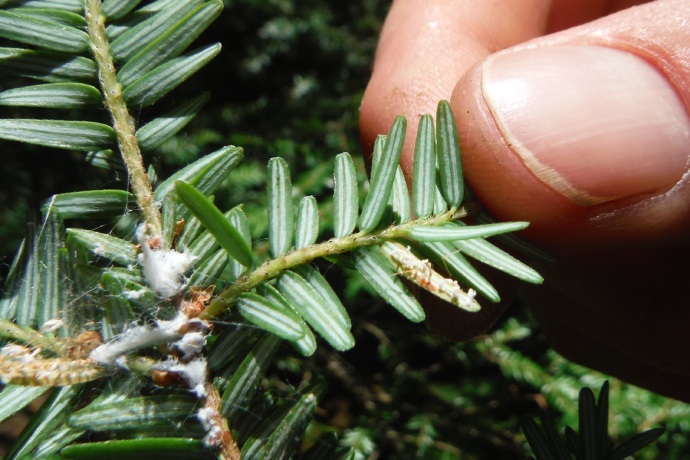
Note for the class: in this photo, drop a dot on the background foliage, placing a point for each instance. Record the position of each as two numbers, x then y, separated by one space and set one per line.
288 83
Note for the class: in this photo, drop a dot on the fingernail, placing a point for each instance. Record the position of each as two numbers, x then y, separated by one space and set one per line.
594 123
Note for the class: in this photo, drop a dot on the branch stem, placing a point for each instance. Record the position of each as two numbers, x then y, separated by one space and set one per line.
123 122
274 267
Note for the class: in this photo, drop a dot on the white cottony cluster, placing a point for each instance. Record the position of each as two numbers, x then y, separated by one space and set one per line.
193 373
191 344
139 337
52 325
164 272
18 351
209 420
188 337
134 295
163 269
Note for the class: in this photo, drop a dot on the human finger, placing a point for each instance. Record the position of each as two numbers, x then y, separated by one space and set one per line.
586 133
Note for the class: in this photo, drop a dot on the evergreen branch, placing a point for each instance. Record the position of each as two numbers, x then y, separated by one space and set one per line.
123 122
69 290
274 267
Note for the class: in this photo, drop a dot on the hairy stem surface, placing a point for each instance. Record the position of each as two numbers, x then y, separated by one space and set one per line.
274 267
123 123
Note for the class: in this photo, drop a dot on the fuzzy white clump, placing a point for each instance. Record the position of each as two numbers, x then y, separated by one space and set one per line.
209 420
172 326
18 351
206 416
99 249
193 372
134 295
190 344
52 325
139 337
163 270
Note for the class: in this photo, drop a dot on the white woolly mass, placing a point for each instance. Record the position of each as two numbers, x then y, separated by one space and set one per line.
18 351
209 420
99 250
193 372
134 295
52 325
139 337
163 270
191 343
174 325
205 416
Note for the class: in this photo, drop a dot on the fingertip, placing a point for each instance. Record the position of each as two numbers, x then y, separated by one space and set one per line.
424 47
499 178
590 143
380 105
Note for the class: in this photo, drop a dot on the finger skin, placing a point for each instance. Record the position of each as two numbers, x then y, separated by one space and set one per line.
615 302
511 191
426 46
